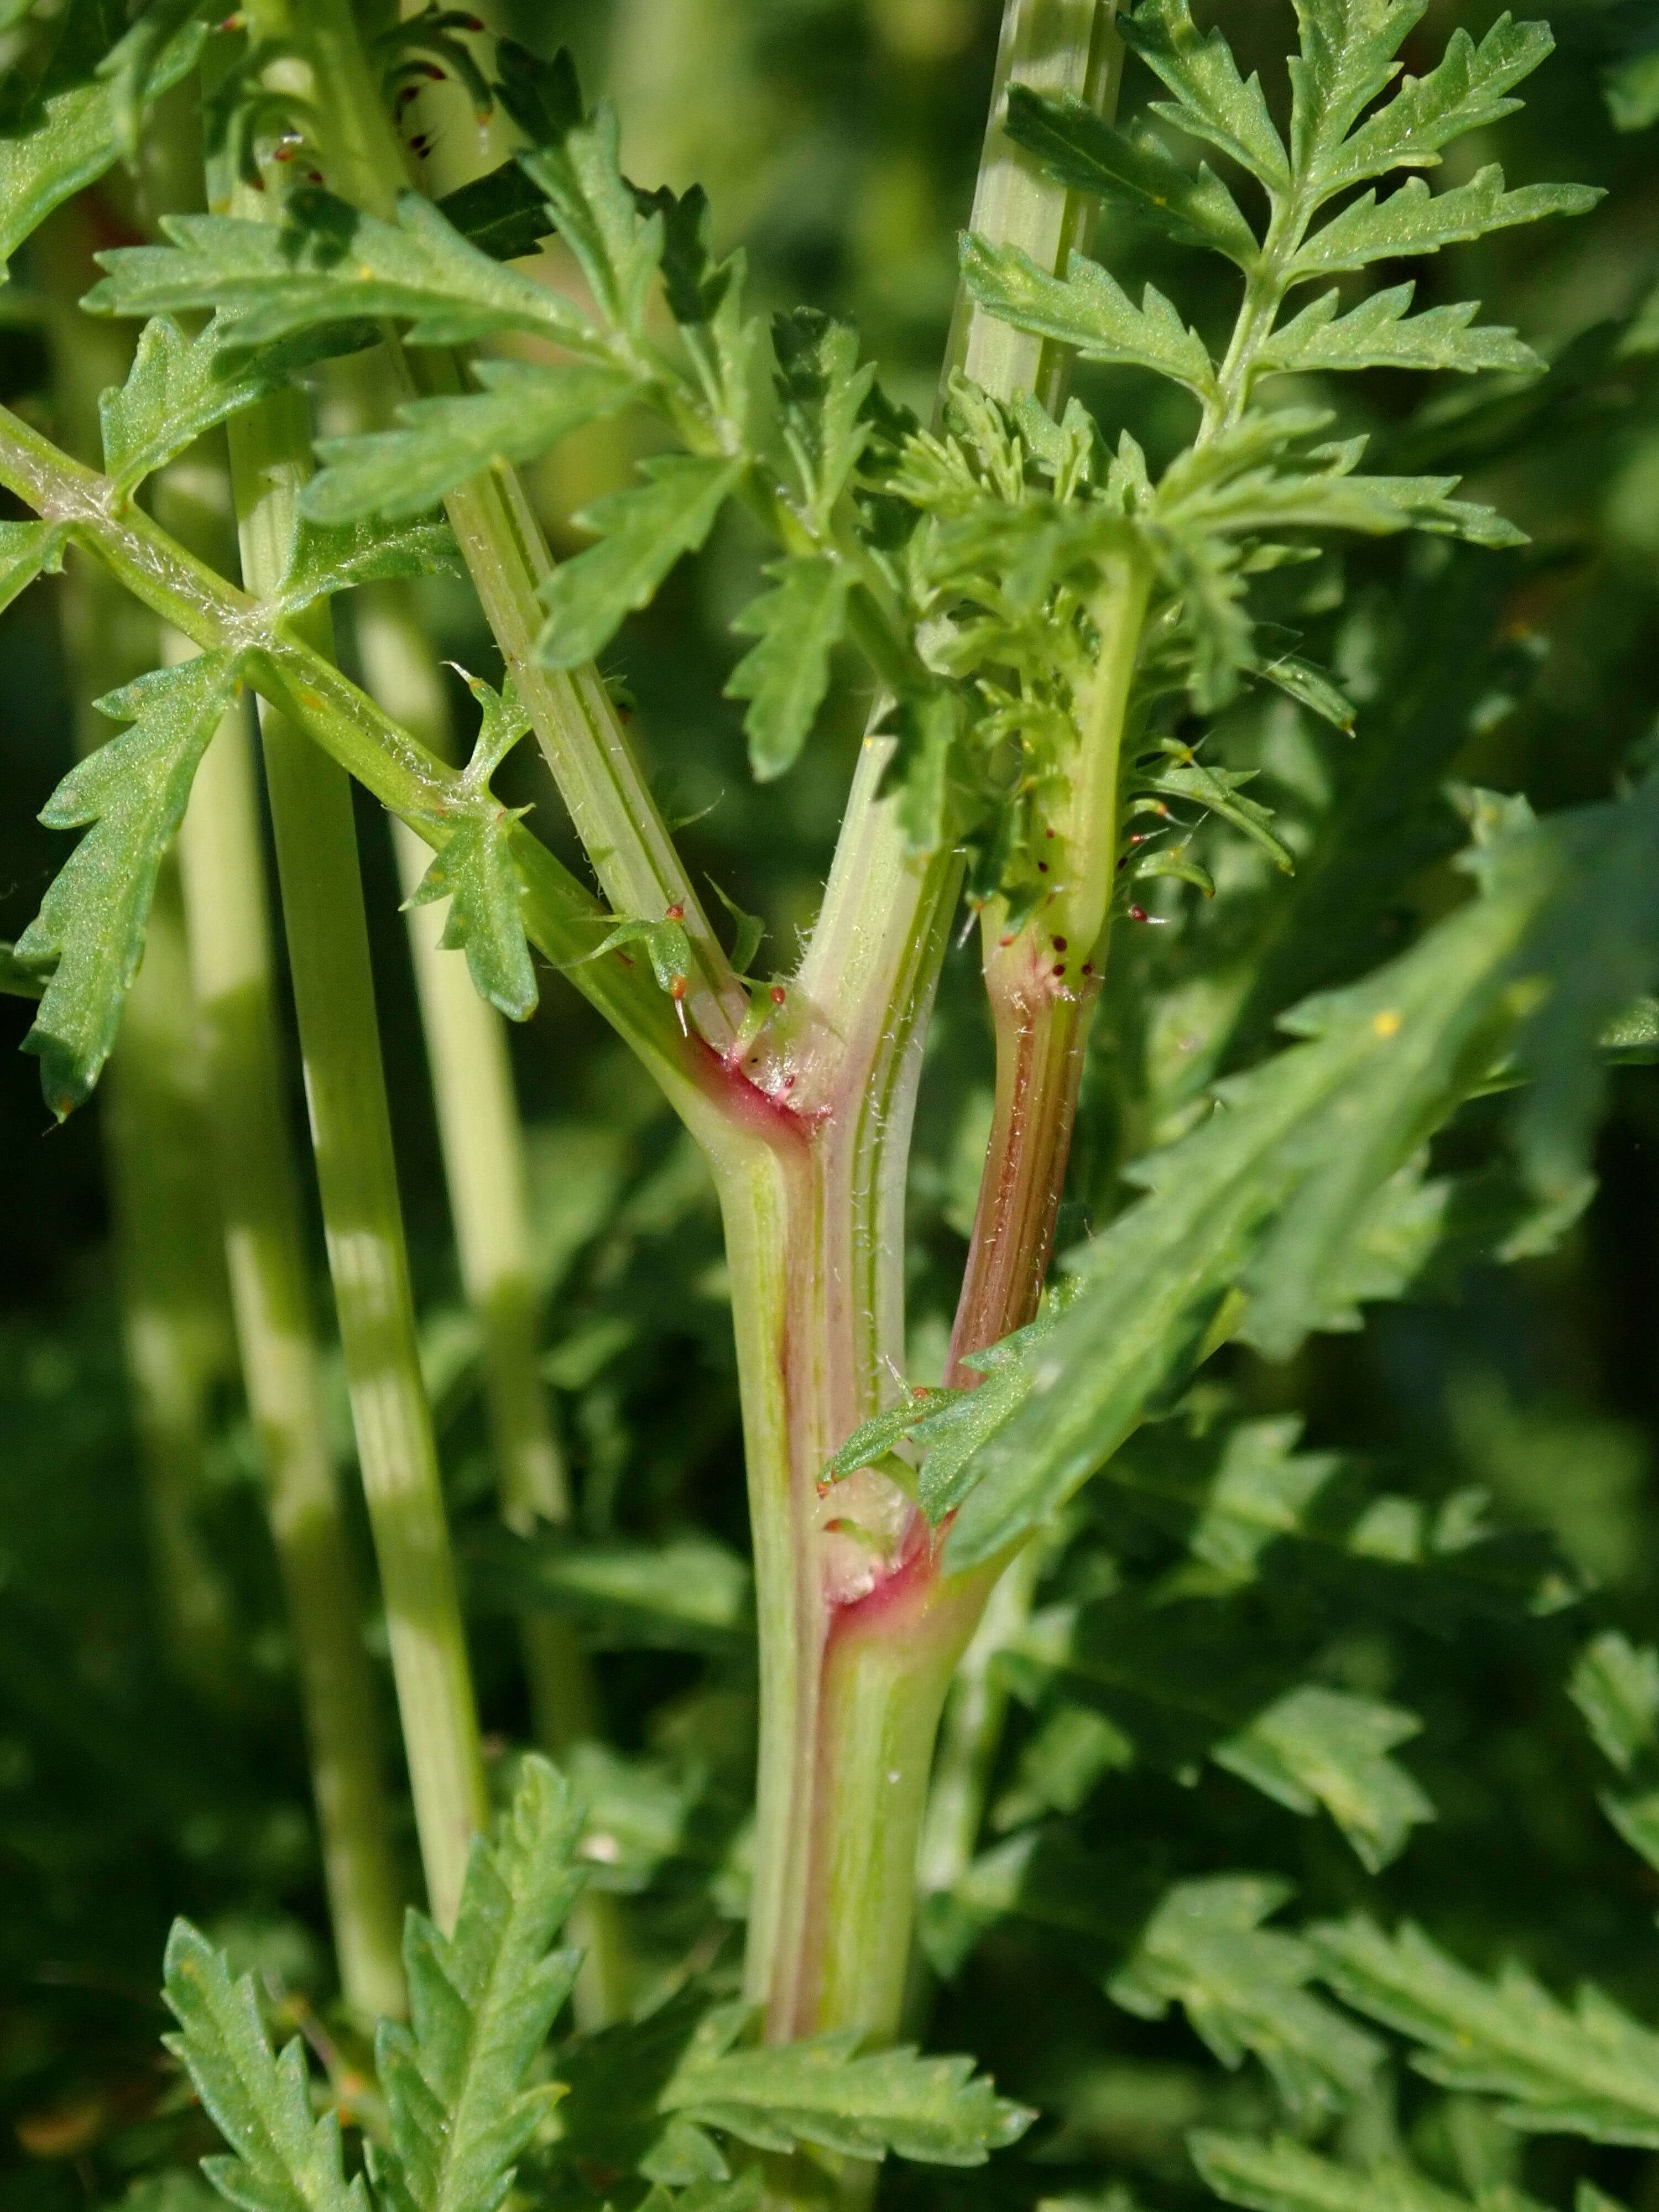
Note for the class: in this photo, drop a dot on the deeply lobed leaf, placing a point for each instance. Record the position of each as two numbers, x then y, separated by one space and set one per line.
525 407
822 2091
644 531
130 796
481 2003
282 2158
1593 2071
327 262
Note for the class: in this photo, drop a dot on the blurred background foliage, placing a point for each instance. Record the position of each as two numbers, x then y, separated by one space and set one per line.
150 1759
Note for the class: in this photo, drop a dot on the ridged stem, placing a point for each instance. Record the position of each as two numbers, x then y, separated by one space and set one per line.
576 725
562 919
327 936
222 866
1042 981
482 1144
874 1641
175 1315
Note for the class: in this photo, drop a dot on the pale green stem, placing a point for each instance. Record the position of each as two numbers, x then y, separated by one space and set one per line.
1043 982
175 1316
575 723
972 1732
209 1027
327 935
175 1311
836 1854
563 921
482 1144
222 865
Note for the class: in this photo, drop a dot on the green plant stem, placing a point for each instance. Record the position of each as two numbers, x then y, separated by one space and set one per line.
327 936
199 1020
870 1653
223 870
1043 982
482 1144
563 920
576 725
971 1733
478 1126
174 1310
175 1313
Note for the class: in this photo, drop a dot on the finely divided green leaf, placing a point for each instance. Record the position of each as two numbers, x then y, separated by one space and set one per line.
822 2092
1285 2176
28 550
179 386
525 409
644 530
1210 101
477 872
137 69
17 979
598 217
1347 58
1602 954
481 2003
327 262
1415 221
67 138
1076 144
282 2160
1615 1686
1380 334
1087 308
132 793
786 674
501 213
1467 91
1331 496
822 392
1316 1747
1245 1989
335 556
1593 2071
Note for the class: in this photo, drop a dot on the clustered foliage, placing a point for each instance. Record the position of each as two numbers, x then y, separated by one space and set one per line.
1356 1026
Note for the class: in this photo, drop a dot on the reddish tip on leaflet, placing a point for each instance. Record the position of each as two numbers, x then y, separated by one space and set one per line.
1137 913
676 913
778 994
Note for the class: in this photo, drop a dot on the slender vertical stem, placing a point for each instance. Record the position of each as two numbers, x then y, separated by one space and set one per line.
174 1306
971 1733
199 1021
223 870
1043 982
174 1312
575 723
482 1144
351 1131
